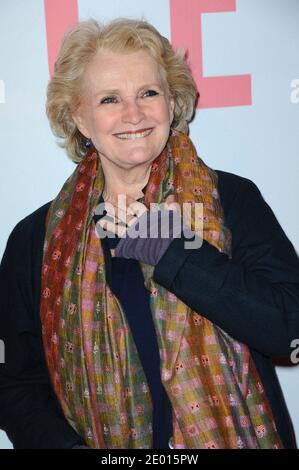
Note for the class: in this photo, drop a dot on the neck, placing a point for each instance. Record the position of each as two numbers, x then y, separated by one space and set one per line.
128 182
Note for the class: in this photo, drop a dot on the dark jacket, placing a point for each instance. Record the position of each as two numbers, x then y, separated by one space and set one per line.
254 297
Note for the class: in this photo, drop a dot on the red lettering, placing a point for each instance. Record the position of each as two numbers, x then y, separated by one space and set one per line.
215 92
59 15
231 90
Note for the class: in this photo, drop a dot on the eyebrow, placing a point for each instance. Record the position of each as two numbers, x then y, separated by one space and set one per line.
115 91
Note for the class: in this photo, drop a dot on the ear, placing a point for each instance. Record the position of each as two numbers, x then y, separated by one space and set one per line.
80 121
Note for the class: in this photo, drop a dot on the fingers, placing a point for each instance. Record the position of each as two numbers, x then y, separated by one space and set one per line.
117 211
117 219
127 214
123 214
136 209
110 224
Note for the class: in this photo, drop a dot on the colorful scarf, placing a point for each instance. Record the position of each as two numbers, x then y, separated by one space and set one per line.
216 394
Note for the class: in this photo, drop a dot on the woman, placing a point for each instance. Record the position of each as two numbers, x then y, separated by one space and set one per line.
121 341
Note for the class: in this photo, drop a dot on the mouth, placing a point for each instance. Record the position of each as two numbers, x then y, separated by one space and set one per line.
132 135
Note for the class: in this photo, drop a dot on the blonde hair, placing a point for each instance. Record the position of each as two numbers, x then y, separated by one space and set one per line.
79 46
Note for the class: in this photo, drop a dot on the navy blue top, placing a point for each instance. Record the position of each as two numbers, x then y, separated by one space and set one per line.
126 281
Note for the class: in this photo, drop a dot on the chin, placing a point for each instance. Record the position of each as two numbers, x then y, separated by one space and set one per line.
140 157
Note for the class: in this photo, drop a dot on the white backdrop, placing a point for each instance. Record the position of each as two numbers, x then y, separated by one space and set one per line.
258 141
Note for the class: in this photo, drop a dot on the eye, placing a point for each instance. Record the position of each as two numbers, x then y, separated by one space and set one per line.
109 100
150 94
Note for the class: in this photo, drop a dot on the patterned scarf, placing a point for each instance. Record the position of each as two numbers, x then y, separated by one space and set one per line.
216 394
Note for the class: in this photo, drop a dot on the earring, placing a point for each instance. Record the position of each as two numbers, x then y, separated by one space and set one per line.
88 143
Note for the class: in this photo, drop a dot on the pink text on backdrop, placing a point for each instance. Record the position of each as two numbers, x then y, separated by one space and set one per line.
59 15
215 92
186 31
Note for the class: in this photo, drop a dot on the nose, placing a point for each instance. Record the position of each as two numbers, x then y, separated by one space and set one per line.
132 111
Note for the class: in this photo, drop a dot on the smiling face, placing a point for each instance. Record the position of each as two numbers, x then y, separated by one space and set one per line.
126 110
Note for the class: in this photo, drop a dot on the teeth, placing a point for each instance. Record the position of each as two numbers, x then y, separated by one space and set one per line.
136 135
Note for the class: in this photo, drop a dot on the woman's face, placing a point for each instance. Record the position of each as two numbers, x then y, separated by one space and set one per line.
126 110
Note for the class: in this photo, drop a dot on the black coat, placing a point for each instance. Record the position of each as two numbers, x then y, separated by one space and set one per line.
254 297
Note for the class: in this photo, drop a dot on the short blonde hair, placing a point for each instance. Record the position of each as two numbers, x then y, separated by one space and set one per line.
79 46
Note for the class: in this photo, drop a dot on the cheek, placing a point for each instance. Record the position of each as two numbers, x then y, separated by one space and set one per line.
103 126
164 115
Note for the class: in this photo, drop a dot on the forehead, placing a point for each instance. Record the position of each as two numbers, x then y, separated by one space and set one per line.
122 70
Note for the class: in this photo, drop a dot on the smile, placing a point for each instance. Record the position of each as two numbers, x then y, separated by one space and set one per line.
134 135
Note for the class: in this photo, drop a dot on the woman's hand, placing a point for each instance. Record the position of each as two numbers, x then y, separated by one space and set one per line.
149 232
119 219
